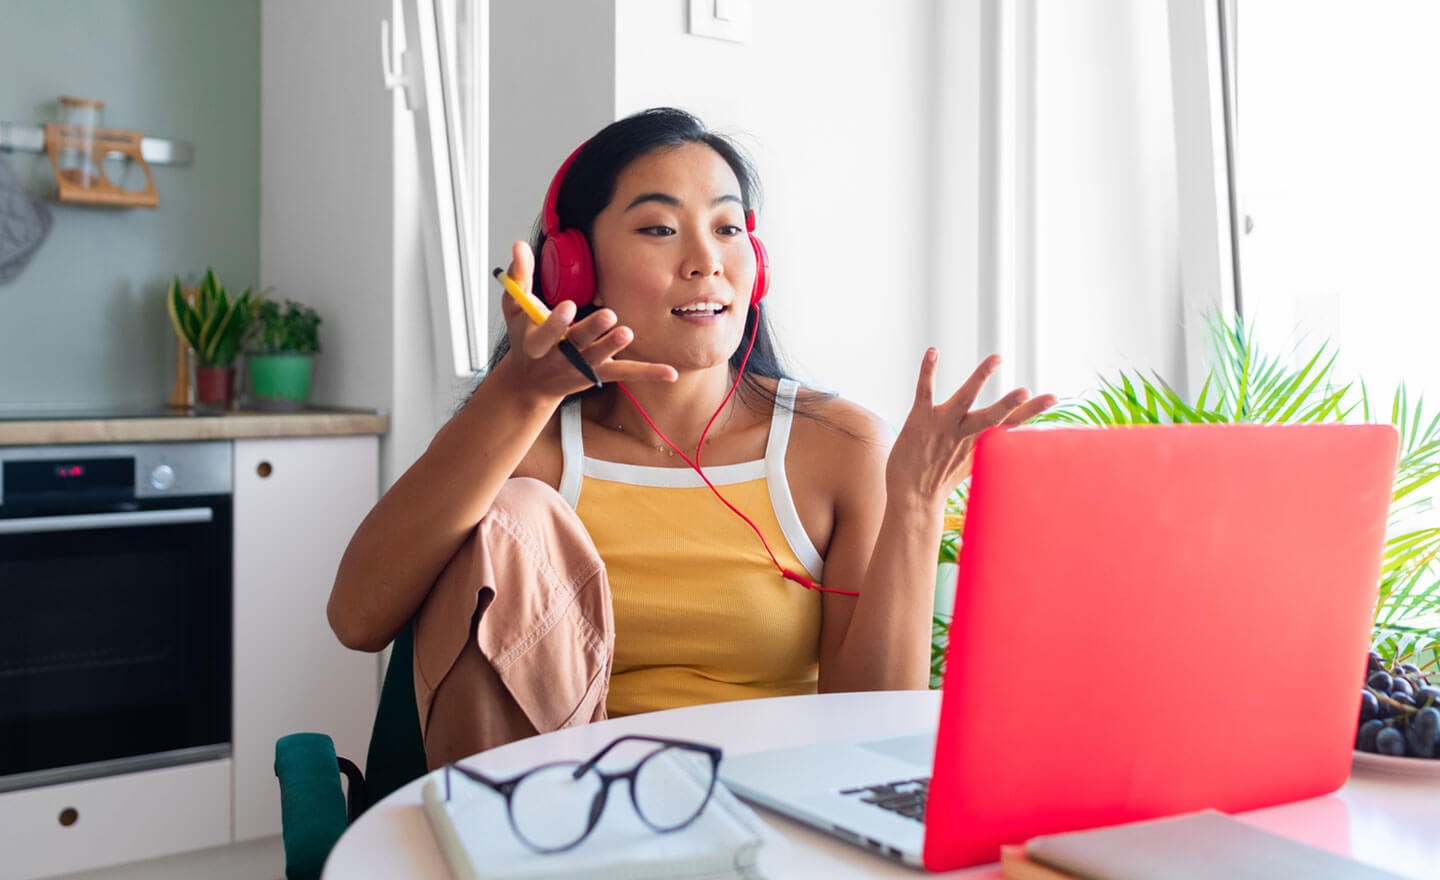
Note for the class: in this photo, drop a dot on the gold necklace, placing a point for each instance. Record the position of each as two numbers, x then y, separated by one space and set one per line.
658 447
667 449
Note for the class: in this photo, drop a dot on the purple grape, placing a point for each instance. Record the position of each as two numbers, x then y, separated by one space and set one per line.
1423 732
1400 685
1380 681
1390 742
1365 737
1375 663
1369 706
1428 695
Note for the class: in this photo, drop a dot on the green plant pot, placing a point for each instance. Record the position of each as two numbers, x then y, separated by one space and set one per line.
280 381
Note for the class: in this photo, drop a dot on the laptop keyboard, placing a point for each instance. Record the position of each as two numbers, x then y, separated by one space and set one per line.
906 796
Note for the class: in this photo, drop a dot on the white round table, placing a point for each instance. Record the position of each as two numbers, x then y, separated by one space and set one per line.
1388 820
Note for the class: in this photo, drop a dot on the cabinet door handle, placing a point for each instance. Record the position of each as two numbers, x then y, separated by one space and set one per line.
128 519
264 469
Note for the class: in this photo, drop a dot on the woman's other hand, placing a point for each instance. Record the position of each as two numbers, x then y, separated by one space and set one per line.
931 455
540 366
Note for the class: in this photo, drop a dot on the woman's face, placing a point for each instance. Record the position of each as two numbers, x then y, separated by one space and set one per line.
672 257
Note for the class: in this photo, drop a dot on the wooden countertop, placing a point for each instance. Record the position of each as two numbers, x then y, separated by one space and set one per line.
184 425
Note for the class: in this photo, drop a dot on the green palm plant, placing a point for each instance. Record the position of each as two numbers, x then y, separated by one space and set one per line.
215 326
1245 385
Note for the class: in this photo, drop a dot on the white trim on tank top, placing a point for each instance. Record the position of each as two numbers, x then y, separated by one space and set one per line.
577 465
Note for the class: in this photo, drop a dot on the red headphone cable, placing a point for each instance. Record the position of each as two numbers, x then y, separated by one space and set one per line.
786 573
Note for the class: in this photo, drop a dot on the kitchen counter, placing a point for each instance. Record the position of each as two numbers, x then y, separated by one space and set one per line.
39 428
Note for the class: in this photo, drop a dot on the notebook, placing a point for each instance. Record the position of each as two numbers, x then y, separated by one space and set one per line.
1148 621
1194 846
473 831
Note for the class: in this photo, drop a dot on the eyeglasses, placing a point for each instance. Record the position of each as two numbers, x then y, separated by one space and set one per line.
553 807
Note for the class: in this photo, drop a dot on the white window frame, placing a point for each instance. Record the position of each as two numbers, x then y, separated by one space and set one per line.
1202 85
454 210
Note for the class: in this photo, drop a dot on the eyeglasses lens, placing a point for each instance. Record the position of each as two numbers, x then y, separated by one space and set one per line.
672 786
551 809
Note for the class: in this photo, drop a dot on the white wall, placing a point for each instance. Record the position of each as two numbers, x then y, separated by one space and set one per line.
326 206
1107 266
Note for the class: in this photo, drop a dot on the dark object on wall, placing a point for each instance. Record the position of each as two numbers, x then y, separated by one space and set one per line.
24 221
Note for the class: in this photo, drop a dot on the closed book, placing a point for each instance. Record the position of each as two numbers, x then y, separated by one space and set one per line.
1195 846
474 833
1015 865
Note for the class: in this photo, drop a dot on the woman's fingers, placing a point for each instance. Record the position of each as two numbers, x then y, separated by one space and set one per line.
925 382
538 340
965 396
1029 409
636 371
610 342
586 331
522 264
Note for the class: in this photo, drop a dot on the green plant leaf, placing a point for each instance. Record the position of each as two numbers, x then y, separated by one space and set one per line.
214 326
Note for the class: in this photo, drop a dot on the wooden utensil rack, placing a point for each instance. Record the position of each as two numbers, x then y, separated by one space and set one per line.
104 144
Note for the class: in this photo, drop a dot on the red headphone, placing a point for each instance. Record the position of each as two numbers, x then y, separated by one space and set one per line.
567 268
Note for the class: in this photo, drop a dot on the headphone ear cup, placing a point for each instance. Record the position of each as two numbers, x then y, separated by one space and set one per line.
567 271
762 270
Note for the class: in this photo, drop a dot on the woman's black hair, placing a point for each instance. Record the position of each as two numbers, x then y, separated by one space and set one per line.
589 185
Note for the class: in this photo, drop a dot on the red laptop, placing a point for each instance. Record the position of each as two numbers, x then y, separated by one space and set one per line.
1148 621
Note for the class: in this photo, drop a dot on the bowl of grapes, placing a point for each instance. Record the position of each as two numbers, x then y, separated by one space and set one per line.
1399 727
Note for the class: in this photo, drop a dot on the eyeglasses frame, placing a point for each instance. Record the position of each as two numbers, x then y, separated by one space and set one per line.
506 787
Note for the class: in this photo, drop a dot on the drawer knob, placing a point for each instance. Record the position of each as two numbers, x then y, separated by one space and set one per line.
69 816
263 469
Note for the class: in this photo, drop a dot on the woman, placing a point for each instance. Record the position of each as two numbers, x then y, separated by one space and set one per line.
614 578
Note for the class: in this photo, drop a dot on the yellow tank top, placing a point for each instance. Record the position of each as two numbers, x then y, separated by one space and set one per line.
701 614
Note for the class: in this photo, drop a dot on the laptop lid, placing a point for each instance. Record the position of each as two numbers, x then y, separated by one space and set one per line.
1154 620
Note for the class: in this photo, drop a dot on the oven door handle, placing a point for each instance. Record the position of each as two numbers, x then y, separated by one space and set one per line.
122 520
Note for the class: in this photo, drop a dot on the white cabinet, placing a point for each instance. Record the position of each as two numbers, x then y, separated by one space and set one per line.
297 502
80 825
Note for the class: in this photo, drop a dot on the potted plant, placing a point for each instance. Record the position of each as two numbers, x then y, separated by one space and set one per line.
1244 385
213 326
283 343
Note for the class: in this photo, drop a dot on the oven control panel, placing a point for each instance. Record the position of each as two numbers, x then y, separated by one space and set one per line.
137 470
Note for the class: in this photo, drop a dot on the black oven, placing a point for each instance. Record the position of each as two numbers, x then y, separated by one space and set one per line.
115 609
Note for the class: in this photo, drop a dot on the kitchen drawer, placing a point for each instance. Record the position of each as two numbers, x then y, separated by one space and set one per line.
115 819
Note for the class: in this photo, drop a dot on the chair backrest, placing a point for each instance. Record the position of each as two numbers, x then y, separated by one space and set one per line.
313 808
397 751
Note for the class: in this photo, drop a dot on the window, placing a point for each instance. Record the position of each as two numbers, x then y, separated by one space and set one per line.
446 85
1338 160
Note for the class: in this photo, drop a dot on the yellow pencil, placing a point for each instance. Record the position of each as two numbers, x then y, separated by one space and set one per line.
538 313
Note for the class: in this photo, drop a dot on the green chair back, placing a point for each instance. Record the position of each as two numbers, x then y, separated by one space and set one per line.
313 809
397 752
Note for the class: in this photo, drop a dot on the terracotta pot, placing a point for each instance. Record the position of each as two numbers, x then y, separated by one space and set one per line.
214 387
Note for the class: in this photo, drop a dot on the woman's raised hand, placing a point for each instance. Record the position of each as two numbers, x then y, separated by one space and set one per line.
540 365
931 455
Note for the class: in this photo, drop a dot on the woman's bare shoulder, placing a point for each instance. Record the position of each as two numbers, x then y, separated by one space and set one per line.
829 418
836 467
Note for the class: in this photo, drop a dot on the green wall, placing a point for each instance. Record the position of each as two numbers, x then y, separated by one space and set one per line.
84 323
